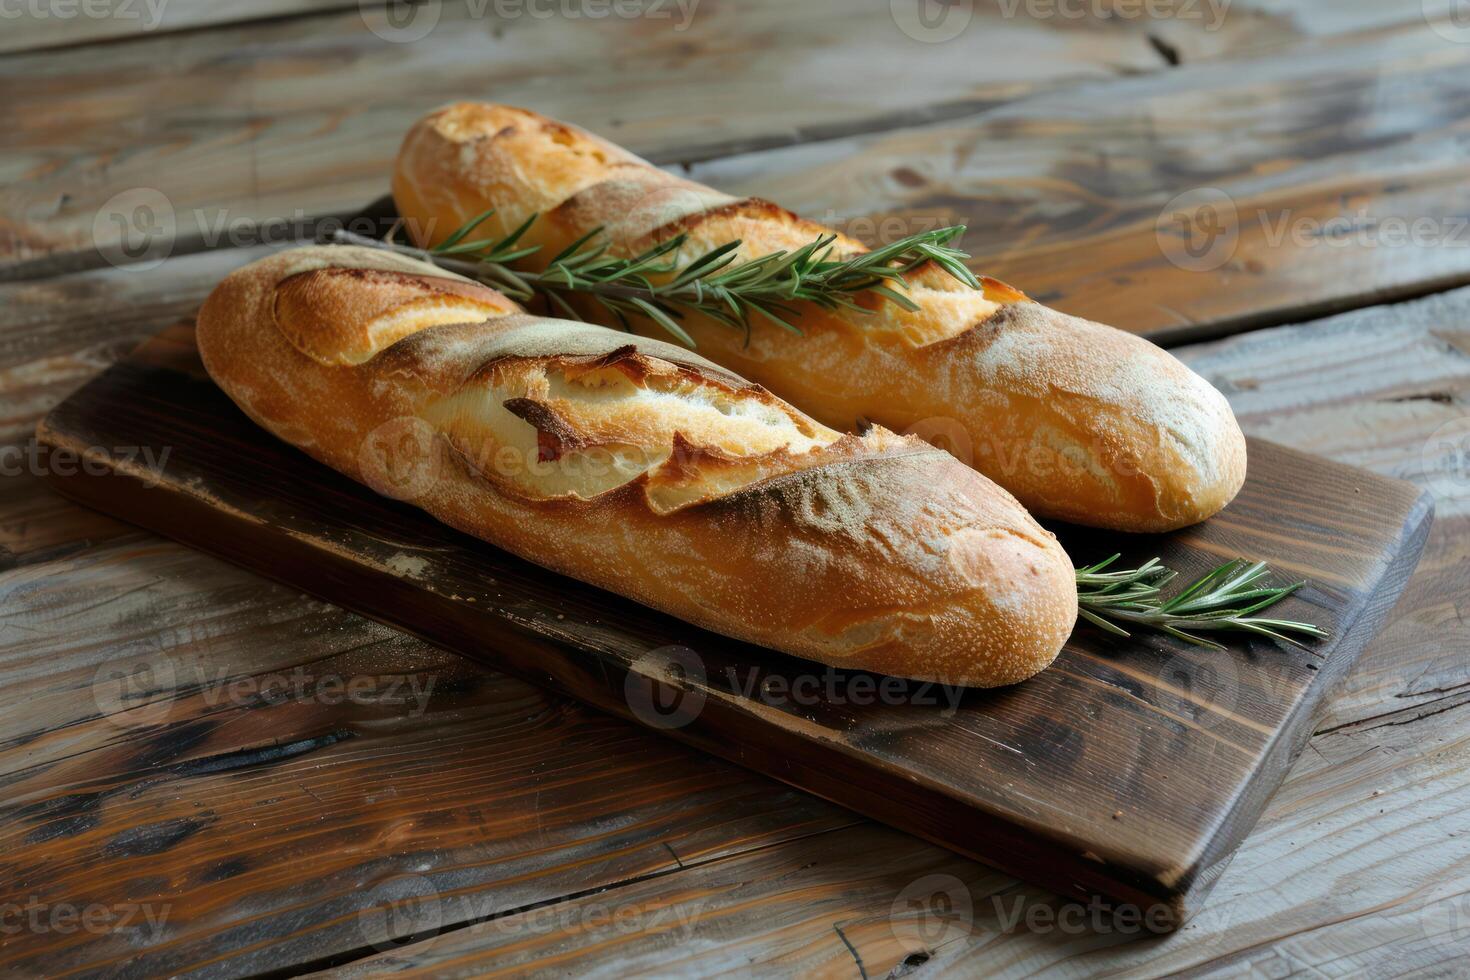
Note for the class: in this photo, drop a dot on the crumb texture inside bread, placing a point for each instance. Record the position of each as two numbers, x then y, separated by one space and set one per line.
556 429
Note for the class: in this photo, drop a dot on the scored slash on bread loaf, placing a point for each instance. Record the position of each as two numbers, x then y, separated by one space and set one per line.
642 468
1080 421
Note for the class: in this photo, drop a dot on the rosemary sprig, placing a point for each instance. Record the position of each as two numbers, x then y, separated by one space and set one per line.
654 284
1224 599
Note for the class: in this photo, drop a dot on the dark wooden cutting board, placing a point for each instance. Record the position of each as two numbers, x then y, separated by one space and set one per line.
1131 769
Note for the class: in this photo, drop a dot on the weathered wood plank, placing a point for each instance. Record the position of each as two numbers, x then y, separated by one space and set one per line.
309 122
57 333
1333 175
1006 778
36 523
1386 388
128 660
56 24
1361 862
180 735
1194 31
1359 866
1396 375
1192 28
54 335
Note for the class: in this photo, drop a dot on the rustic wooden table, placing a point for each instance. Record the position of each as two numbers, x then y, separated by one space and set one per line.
205 773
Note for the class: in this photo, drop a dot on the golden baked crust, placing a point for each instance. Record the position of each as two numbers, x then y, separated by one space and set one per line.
1078 420
642 468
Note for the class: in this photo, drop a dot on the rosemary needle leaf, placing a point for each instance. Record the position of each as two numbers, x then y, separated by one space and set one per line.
731 293
464 230
510 240
1224 599
1097 620
563 307
716 284
707 264
896 297
662 319
466 248
770 313
576 246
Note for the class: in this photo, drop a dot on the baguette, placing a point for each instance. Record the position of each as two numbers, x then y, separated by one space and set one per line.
1080 421
642 468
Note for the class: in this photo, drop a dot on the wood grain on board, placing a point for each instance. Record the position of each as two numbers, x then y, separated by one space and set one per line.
279 122
1372 401
1191 29
244 788
1212 198
1144 805
1357 867
1109 199
1196 30
30 27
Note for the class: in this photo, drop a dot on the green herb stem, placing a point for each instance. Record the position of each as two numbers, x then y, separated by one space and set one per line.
655 286
1225 599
